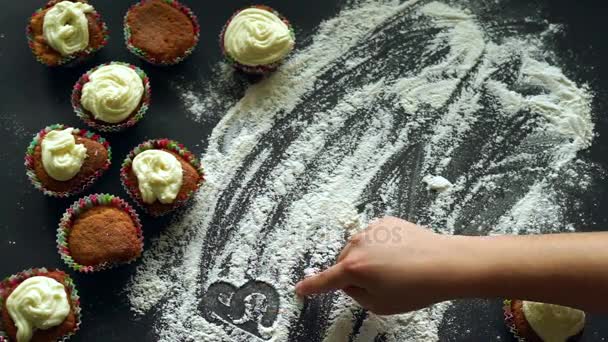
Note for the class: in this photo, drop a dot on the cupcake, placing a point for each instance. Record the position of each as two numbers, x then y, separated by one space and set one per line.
161 175
65 31
541 322
98 232
112 96
161 32
257 39
62 161
39 305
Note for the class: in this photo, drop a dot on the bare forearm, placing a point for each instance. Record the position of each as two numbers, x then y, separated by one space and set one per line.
566 269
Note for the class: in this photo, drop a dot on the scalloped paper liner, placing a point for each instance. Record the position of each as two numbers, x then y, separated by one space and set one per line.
509 321
163 144
29 160
258 69
72 213
88 118
142 54
72 60
15 279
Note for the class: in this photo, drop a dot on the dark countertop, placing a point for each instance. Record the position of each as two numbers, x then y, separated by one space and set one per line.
33 96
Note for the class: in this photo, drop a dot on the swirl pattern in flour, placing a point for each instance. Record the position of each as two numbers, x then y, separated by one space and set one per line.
385 94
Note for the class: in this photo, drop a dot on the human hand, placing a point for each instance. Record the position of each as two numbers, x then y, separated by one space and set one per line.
393 266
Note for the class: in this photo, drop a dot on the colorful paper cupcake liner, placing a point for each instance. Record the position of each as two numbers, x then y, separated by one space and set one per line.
510 322
72 60
87 117
164 144
72 213
30 162
258 69
142 54
18 278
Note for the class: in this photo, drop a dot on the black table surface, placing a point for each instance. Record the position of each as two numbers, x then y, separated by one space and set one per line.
33 96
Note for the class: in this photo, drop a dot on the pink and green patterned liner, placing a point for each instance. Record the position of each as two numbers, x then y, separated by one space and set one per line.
258 69
87 117
30 162
79 207
161 144
142 54
76 58
510 322
18 278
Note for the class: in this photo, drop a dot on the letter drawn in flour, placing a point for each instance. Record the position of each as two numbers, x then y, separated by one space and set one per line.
253 306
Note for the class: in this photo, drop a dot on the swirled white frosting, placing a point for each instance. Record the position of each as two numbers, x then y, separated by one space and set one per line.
62 158
553 323
159 175
112 93
257 37
37 303
66 28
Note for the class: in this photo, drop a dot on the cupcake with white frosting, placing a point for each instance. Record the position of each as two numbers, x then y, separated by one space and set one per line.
39 305
112 96
257 39
541 322
63 32
161 175
62 161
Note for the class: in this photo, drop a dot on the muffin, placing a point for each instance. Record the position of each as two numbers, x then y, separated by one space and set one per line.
65 31
99 232
161 175
39 305
540 322
257 39
112 96
62 161
161 32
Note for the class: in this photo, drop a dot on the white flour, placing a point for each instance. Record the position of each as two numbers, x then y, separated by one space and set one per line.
385 94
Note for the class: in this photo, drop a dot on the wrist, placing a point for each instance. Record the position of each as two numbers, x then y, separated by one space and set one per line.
481 267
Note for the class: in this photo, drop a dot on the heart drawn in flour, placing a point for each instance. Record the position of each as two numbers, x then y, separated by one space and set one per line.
250 307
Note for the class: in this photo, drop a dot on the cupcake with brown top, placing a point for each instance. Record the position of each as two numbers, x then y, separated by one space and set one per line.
161 31
98 232
540 322
65 31
257 39
62 161
161 175
112 96
39 305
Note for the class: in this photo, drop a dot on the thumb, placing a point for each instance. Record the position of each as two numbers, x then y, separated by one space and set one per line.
334 278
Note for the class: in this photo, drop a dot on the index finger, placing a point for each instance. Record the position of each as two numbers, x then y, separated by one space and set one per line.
334 278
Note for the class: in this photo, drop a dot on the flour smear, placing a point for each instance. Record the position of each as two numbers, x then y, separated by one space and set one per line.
384 94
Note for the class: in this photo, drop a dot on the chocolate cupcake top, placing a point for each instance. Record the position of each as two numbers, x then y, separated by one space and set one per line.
257 36
112 93
553 323
37 303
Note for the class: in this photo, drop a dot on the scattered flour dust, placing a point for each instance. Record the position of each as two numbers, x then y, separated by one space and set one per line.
384 94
